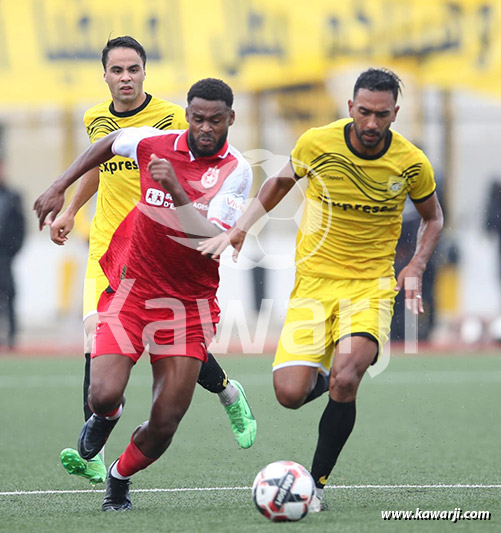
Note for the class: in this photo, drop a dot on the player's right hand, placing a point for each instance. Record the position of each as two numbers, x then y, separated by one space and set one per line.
215 246
48 205
60 228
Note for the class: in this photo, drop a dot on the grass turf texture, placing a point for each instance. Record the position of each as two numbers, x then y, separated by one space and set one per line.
424 421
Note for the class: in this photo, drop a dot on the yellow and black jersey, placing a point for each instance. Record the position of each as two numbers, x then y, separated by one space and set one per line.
353 210
119 186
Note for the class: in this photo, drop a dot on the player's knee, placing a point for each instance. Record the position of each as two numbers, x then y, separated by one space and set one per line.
344 383
102 404
289 396
103 401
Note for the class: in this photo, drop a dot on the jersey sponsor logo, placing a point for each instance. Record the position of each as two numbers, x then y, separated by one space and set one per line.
243 185
159 198
114 166
235 202
154 197
210 177
200 206
345 206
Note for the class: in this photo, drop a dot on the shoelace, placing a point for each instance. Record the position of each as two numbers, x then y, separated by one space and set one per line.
238 420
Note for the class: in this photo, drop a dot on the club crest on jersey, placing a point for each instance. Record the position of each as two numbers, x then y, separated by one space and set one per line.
395 183
210 177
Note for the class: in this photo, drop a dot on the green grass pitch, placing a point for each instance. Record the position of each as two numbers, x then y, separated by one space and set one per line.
426 421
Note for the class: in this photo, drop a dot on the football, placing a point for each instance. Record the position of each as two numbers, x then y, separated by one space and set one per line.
283 491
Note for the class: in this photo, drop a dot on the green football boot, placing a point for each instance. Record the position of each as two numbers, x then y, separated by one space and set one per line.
242 420
93 470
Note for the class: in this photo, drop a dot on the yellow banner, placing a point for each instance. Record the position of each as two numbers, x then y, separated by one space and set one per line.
51 49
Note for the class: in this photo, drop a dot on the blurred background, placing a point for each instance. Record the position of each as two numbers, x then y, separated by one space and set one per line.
292 65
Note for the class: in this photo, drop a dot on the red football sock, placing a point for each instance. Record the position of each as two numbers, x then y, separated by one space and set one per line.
113 413
132 460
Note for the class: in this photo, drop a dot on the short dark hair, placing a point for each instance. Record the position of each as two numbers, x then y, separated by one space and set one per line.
378 79
211 89
123 42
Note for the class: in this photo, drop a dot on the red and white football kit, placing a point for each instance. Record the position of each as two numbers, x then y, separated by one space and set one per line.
162 294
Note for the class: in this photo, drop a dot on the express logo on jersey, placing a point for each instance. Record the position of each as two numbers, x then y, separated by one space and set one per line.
120 166
210 177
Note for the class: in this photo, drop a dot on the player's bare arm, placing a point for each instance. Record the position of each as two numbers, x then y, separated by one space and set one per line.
51 201
270 194
410 277
193 223
62 226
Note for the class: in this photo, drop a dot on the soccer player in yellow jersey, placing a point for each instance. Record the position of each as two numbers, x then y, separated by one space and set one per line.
359 173
118 189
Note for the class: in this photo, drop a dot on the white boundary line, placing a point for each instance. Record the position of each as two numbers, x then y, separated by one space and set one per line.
215 489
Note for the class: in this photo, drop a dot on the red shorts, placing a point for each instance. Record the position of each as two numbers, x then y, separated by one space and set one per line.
163 327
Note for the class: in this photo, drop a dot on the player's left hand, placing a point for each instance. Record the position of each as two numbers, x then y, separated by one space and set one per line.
410 279
60 228
162 172
48 205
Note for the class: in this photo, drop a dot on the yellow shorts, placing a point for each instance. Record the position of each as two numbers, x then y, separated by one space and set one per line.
94 284
323 310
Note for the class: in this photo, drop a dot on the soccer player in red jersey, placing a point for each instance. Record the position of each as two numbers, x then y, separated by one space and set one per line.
162 294
118 189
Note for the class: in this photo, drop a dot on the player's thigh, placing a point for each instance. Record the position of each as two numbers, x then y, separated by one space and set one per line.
109 375
353 356
365 309
95 283
90 324
306 337
180 329
120 326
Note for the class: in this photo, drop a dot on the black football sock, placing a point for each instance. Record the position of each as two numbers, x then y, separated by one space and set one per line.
321 386
334 429
86 384
212 377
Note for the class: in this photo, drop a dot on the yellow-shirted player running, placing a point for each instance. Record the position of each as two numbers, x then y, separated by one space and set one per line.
118 189
118 179
359 174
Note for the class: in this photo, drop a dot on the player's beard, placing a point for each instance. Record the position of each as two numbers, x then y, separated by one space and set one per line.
200 152
371 144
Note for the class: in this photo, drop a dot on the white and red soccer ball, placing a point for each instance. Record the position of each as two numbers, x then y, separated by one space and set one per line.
283 491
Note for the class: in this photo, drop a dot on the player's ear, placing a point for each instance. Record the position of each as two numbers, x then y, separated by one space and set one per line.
232 117
350 107
395 113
